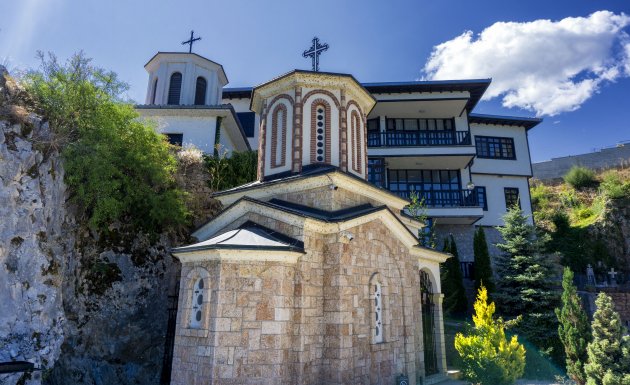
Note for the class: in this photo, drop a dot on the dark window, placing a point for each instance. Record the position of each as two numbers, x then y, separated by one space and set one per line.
248 122
175 139
495 147
376 171
200 91
373 124
439 188
468 270
481 197
420 124
154 91
426 233
174 88
511 197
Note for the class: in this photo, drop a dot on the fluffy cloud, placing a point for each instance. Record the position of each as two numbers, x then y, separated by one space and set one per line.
545 66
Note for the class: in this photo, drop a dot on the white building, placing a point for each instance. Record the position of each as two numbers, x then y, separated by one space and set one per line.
422 136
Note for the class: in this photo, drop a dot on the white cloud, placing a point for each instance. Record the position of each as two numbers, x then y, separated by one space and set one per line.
545 66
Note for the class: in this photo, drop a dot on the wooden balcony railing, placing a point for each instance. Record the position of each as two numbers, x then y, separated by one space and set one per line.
418 138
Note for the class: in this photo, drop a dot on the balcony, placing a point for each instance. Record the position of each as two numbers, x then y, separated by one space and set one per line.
419 138
444 198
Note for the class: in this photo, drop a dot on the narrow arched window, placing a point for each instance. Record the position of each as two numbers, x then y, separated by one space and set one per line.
377 336
154 92
200 91
320 133
196 311
175 88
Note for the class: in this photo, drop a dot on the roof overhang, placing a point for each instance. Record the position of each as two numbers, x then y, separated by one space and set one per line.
450 158
527 123
422 106
230 121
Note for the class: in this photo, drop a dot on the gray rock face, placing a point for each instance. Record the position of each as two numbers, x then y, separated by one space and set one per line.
34 243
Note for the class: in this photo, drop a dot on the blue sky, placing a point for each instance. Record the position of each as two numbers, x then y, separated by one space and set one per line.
560 70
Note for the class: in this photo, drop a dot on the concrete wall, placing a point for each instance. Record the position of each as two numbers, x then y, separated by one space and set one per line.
603 159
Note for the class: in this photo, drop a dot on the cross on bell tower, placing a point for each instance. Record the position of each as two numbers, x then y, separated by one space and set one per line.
314 52
191 41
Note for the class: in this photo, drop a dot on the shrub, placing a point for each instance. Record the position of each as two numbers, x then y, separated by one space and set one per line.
613 187
118 169
237 170
487 356
455 302
483 267
580 177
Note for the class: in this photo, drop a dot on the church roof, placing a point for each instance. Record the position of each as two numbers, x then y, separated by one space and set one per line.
248 236
528 123
222 71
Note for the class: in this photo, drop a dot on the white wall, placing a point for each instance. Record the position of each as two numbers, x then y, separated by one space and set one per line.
520 166
199 131
351 145
289 138
306 127
495 196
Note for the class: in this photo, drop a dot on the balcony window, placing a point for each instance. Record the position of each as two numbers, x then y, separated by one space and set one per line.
418 132
373 124
492 147
481 197
376 171
439 188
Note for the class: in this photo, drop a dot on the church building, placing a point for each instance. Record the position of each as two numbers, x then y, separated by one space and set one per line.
315 273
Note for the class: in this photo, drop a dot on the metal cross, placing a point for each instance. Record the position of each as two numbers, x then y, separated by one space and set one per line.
314 52
191 41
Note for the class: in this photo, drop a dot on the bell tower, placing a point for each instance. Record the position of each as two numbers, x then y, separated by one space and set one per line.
310 119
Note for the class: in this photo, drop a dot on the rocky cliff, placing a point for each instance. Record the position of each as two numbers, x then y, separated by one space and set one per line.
83 308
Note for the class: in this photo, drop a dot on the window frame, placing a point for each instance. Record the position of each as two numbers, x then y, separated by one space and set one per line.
500 145
509 192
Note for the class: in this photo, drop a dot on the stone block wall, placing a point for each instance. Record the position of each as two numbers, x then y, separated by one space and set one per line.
464 236
604 159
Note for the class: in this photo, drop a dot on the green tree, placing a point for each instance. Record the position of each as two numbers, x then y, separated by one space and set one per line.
487 355
526 282
573 329
455 302
483 267
237 170
609 351
118 169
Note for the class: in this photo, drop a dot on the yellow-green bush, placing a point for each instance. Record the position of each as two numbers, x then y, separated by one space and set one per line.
487 355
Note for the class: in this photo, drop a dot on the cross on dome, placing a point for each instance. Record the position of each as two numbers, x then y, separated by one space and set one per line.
191 41
314 52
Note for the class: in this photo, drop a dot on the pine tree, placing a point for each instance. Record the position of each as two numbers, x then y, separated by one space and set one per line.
487 355
483 268
525 283
455 302
573 330
609 352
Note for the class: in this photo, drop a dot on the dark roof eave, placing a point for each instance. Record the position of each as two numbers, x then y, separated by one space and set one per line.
528 123
186 249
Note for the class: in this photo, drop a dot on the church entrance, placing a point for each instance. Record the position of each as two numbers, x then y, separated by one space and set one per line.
428 324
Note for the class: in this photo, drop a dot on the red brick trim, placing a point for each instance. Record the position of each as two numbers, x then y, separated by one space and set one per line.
343 133
281 96
279 109
261 143
327 131
357 141
324 92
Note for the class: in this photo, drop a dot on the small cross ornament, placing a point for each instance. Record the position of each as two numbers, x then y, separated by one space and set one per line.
314 52
191 41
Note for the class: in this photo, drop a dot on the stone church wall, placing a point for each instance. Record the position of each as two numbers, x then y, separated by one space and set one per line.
328 199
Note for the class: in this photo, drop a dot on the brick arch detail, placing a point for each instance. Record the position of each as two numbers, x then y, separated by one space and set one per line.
279 109
323 92
327 131
356 122
281 96
354 103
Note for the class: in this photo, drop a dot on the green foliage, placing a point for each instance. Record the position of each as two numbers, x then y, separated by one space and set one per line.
525 282
237 170
418 210
614 187
609 351
118 169
455 302
573 329
488 357
580 177
483 267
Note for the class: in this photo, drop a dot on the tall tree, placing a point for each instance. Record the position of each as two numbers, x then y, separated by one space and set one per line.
573 329
455 302
526 282
609 351
483 267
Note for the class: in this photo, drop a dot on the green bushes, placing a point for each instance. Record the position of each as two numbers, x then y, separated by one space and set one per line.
237 170
487 355
580 177
613 187
118 169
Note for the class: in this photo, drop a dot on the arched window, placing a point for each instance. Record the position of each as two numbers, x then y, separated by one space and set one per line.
278 135
154 92
175 88
200 91
196 311
377 335
355 126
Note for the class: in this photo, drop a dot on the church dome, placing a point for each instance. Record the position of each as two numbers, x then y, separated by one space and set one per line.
310 119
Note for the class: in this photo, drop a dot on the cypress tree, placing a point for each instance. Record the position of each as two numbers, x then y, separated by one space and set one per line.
609 351
573 329
525 283
483 268
455 302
